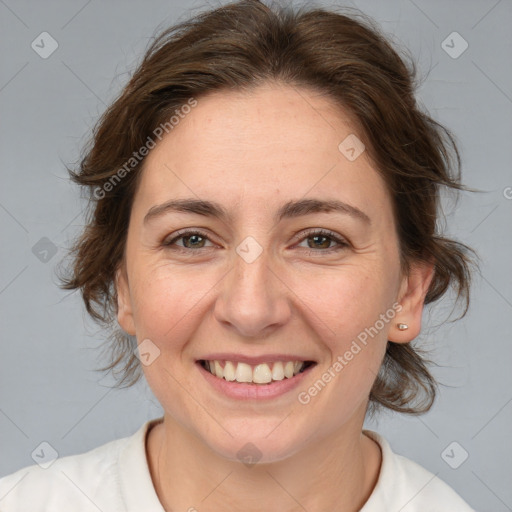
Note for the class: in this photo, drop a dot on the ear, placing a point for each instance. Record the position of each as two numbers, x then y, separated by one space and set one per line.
124 303
413 289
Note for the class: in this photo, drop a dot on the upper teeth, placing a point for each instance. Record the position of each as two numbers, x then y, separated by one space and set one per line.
259 374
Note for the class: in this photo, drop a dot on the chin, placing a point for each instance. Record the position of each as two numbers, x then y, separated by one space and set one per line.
256 441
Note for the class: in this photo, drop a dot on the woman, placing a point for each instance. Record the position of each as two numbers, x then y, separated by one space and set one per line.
264 194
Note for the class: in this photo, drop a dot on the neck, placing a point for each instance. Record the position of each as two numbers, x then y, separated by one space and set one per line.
337 472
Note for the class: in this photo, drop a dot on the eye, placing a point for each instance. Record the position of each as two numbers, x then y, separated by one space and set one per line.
195 239
322 239
192 239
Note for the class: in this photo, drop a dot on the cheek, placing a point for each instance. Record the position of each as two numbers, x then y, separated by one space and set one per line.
352 311
347 300
164 299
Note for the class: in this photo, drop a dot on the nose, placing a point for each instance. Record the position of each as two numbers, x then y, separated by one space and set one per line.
253 300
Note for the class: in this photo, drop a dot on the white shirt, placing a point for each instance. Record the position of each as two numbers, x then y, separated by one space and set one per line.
115 477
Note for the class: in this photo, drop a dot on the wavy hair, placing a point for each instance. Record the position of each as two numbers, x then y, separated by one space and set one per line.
239 46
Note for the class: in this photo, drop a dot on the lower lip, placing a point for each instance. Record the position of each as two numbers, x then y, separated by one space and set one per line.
244 391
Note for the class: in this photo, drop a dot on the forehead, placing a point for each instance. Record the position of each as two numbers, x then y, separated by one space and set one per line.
262 147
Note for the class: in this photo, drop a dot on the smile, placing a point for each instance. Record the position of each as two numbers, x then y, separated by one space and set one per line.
263 373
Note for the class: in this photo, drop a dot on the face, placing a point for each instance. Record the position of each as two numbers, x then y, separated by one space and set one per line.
273 279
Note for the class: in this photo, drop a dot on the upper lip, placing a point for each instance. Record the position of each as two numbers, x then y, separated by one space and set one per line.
254 360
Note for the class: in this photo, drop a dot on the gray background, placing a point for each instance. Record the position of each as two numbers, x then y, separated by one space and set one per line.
48 388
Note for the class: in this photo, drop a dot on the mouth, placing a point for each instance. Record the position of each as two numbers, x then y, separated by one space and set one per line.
261 374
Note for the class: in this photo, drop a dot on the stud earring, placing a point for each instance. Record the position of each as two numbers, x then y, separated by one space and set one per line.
402 327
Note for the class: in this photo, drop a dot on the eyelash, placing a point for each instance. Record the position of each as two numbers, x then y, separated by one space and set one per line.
342 244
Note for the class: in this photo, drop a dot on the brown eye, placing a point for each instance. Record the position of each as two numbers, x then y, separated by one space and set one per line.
193 240
190 240
322 240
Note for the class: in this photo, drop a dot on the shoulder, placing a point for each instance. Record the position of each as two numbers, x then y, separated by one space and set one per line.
405 485
86 481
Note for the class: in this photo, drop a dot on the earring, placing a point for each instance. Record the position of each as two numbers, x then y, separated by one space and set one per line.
402 327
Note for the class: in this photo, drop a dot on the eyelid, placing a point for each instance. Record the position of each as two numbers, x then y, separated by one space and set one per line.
320 231
341 241
168 240
300 236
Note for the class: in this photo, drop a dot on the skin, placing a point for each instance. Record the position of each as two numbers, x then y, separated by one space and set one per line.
252 152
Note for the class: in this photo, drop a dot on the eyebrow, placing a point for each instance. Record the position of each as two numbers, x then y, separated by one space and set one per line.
291 209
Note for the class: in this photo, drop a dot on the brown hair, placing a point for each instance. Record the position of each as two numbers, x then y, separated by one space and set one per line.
239 46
